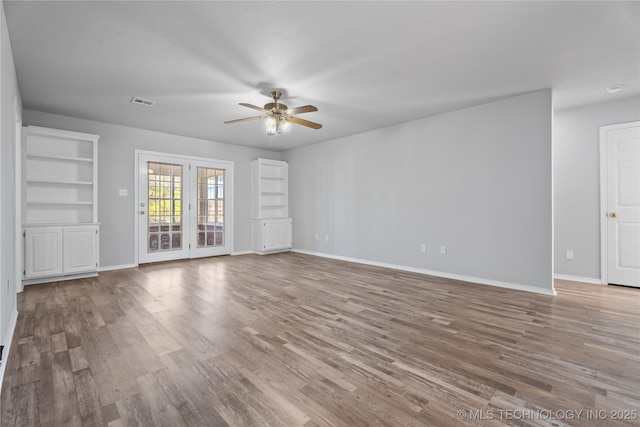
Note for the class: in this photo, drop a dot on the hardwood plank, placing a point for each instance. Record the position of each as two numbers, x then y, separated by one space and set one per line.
135 411
59 342
88 401
178 398
114 380
47 404
22 408
162 410
140 357
41 330
155 335
65 397
78 359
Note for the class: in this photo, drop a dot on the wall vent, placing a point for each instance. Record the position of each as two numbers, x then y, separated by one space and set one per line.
143 101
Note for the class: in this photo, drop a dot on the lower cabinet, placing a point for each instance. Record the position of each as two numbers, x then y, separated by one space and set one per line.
272 235
60 251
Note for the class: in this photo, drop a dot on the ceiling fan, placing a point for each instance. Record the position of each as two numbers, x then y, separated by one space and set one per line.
279 116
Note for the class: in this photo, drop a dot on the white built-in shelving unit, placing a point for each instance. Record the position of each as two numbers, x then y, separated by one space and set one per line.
59 210
272 226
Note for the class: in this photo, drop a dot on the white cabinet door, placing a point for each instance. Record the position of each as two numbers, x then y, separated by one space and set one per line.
277 234
43 251
80 247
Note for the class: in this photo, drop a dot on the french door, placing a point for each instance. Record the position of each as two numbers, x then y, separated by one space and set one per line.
183 207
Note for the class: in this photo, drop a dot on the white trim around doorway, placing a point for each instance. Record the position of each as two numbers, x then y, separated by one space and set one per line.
604 237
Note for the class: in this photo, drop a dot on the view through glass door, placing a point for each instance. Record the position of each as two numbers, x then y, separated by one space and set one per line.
183 207
211 213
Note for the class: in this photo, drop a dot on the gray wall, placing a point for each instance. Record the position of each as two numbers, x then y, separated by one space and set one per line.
8 92
478 181
577 182
116 170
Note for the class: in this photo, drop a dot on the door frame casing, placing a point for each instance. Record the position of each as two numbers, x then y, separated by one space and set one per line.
18 242
604 178
136 158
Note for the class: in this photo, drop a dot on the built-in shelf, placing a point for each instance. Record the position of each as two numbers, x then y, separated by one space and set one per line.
271 223
59 176
55 183
57 202
59 158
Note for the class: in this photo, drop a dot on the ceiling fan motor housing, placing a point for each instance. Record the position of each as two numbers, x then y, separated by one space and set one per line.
275 107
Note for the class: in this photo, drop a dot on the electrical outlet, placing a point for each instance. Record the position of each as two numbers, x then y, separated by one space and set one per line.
317 236
123 192
423 248
443 250
569 254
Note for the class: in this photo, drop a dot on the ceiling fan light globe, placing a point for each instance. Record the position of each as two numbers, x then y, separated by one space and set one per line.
271 126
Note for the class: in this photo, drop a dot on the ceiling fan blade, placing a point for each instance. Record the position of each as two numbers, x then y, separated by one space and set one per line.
303 122
255 107
299 110
247 119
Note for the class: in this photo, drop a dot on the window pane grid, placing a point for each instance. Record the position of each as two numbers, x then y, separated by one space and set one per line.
210 207
164 207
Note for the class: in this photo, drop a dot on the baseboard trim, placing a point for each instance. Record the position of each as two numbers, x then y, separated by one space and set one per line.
578 279
7 348
52 279
249 252
117 267
479 280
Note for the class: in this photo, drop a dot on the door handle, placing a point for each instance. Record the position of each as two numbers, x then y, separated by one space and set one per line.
613 214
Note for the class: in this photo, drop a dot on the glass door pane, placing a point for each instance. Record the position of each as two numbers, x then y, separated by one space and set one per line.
164 207
211 226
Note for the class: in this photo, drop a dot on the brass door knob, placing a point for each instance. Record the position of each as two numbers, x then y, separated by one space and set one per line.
613 215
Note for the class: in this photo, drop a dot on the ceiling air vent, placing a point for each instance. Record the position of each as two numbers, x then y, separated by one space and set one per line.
143 101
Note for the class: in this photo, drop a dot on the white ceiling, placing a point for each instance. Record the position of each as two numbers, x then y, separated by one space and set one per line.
365 65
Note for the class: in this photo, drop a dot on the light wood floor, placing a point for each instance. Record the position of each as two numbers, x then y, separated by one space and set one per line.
296 340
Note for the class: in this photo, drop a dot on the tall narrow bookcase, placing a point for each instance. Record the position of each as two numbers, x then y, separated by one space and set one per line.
272 226
59 210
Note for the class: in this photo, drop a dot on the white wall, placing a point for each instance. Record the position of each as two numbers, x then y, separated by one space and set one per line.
9 94
577 182
478 181
116 170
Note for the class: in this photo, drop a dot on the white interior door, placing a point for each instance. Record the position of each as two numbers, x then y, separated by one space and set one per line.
623 204
183 207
